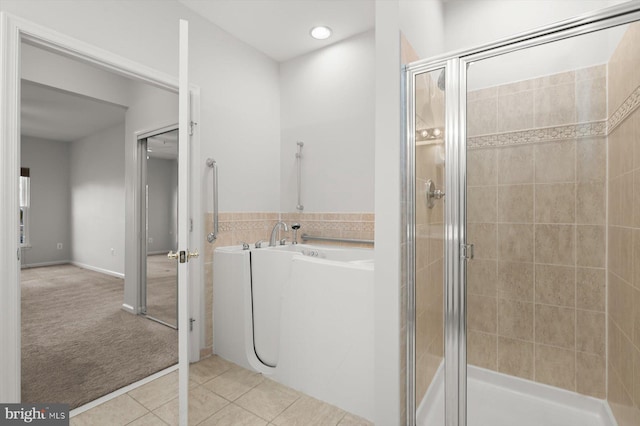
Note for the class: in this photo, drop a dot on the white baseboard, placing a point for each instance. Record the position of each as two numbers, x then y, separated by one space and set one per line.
96 269
39 264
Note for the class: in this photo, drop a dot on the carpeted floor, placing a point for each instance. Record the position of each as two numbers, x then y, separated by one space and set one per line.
162 288
77 342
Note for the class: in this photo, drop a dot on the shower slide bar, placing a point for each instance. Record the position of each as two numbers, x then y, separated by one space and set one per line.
212 236
300 144
307 237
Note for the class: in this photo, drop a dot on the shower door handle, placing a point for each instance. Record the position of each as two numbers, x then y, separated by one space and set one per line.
432 193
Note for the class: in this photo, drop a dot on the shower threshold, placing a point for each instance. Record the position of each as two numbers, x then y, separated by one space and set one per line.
498 399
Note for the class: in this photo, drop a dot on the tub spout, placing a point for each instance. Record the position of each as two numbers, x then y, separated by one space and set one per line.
274 232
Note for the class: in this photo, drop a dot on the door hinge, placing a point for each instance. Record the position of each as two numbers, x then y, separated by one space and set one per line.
191 321
466 251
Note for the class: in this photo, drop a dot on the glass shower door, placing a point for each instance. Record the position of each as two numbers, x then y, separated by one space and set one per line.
426 150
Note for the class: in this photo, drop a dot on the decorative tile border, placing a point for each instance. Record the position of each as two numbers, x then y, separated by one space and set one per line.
551 134
626 109
547 134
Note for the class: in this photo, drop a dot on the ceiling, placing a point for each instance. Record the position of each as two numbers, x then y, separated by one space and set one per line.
58 115
280 28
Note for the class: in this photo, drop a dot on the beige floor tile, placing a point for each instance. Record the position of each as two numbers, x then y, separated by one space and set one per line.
148 420
308 411
157 392
234 383
232 415
351 420
268 399
118 411
207 369
202 404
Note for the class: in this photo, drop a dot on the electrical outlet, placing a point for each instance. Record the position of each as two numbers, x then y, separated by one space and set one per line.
113 252
59 246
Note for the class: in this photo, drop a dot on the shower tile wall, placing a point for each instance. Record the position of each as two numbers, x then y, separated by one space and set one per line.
250 227
537 216
624 230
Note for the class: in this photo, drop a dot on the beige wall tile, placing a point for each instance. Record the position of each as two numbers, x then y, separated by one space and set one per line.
554 244
596 71
626 199
591 159
515 319
555 285
591 375
481 204
482 167
515 358
554 79
636 191
636 257
555 366
591 99
590 332
482 277
515 111
482 350
591 203
515 242
555 203
515 203
515 165
482 116
555 326
555 105
482 313
590 246
484 238
555 162
489 92
591 289
515 280
516 87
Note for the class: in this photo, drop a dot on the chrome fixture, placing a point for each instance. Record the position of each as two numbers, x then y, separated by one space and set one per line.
433 194
211 163
259 244
295 228
300 144
245 245
274 232
431 134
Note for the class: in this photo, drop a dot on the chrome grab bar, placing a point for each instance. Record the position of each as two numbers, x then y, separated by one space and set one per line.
300 144
306 237
212 236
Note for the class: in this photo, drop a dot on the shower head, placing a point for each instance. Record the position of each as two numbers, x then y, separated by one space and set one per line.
441 81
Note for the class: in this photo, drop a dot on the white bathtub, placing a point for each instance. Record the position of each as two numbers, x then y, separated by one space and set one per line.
302 315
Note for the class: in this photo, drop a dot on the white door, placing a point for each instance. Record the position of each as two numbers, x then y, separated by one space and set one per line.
184 253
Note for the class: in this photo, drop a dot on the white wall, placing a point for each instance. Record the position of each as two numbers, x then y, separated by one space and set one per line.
97 201
327 102
72 76
422 23
49 218
240 99
162 181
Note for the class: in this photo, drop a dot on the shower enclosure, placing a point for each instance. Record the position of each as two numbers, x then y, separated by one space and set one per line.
523 228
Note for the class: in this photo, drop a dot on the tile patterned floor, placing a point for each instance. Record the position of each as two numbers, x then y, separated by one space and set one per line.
220 394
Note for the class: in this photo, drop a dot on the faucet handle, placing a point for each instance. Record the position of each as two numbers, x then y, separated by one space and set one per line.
295 226
245 245
259 243
283 241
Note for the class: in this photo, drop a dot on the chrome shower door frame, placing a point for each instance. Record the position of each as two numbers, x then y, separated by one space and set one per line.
455 239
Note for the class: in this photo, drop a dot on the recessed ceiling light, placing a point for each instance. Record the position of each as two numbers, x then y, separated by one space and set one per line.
320 33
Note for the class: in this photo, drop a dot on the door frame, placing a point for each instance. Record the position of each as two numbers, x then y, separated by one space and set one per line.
455 237
13 31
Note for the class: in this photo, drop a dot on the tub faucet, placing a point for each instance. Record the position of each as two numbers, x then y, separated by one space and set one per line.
274 232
